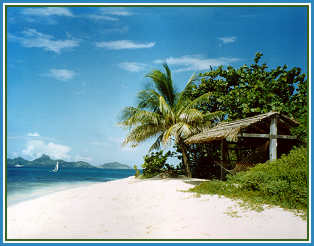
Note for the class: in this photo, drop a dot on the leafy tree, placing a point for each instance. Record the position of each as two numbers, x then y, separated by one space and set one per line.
247 91
155 163
255 89
166 115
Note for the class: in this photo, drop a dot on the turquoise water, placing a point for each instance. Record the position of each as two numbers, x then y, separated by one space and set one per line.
26 183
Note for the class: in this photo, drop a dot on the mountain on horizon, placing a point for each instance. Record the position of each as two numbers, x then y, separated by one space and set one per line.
46 161
114 165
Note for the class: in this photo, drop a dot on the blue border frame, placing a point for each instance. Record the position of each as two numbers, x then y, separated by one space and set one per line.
124 1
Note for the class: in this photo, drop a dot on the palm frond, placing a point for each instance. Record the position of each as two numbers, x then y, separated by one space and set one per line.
163 84
147 99
171 131
165 115
156 144
138 116
126 114
165 109
141 133
171 90
205 98
191 116
187 89
179 131
186 130
214 116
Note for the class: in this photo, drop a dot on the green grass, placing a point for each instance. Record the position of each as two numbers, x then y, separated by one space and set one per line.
283 183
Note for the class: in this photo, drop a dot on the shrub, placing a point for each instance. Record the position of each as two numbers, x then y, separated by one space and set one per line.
155 163
137 172
283 182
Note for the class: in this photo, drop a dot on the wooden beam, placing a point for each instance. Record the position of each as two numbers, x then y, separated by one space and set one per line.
253 135
222 157
273 138
286 137
256 135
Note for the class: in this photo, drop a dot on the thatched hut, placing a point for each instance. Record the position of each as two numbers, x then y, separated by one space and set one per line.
252 139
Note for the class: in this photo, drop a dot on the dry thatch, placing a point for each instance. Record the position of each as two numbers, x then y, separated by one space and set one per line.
230 130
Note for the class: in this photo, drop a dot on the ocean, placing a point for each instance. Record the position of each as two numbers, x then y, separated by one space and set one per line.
26 183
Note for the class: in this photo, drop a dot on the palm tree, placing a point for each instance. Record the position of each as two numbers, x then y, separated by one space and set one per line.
166 115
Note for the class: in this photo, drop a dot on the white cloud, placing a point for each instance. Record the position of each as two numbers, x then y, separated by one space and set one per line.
124 44
48 11
61 74
34 39
227 40
33 134
36 148
101 17
122 29
132 66
118 11
196 62
109 14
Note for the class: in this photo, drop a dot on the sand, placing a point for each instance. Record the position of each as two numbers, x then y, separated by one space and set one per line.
146 209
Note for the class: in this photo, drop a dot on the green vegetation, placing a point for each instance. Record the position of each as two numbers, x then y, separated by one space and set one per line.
244 92
114 165
220 94
283 182
137 172
255 89
166 115
156 163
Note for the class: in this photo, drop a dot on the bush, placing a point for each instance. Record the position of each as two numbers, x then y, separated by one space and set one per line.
155 163
137 172
283 182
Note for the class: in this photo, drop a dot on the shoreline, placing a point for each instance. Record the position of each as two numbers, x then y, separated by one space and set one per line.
42 190
132 208
16 198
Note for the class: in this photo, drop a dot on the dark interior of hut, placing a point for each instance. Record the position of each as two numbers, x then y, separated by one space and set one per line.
220 157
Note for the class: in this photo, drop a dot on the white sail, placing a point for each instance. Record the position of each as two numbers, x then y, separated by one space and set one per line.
56 167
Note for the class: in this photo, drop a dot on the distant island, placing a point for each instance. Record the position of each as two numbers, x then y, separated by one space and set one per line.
114 165
46 161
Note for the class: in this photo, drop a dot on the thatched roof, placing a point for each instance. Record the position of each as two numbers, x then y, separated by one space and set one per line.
230 130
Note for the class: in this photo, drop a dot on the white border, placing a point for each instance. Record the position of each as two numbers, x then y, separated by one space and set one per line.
159 4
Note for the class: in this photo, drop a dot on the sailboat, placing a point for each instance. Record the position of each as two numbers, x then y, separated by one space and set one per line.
56 167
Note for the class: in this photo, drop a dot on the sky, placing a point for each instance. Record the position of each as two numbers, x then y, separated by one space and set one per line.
72 70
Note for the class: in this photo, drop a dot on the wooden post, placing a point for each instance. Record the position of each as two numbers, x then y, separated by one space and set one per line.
223 157
273 138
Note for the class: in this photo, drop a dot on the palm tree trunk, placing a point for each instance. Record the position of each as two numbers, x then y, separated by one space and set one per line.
186 161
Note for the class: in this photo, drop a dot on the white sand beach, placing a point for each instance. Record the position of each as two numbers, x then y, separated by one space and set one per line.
143 209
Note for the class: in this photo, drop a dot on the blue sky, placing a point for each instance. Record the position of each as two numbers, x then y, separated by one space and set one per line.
72 70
